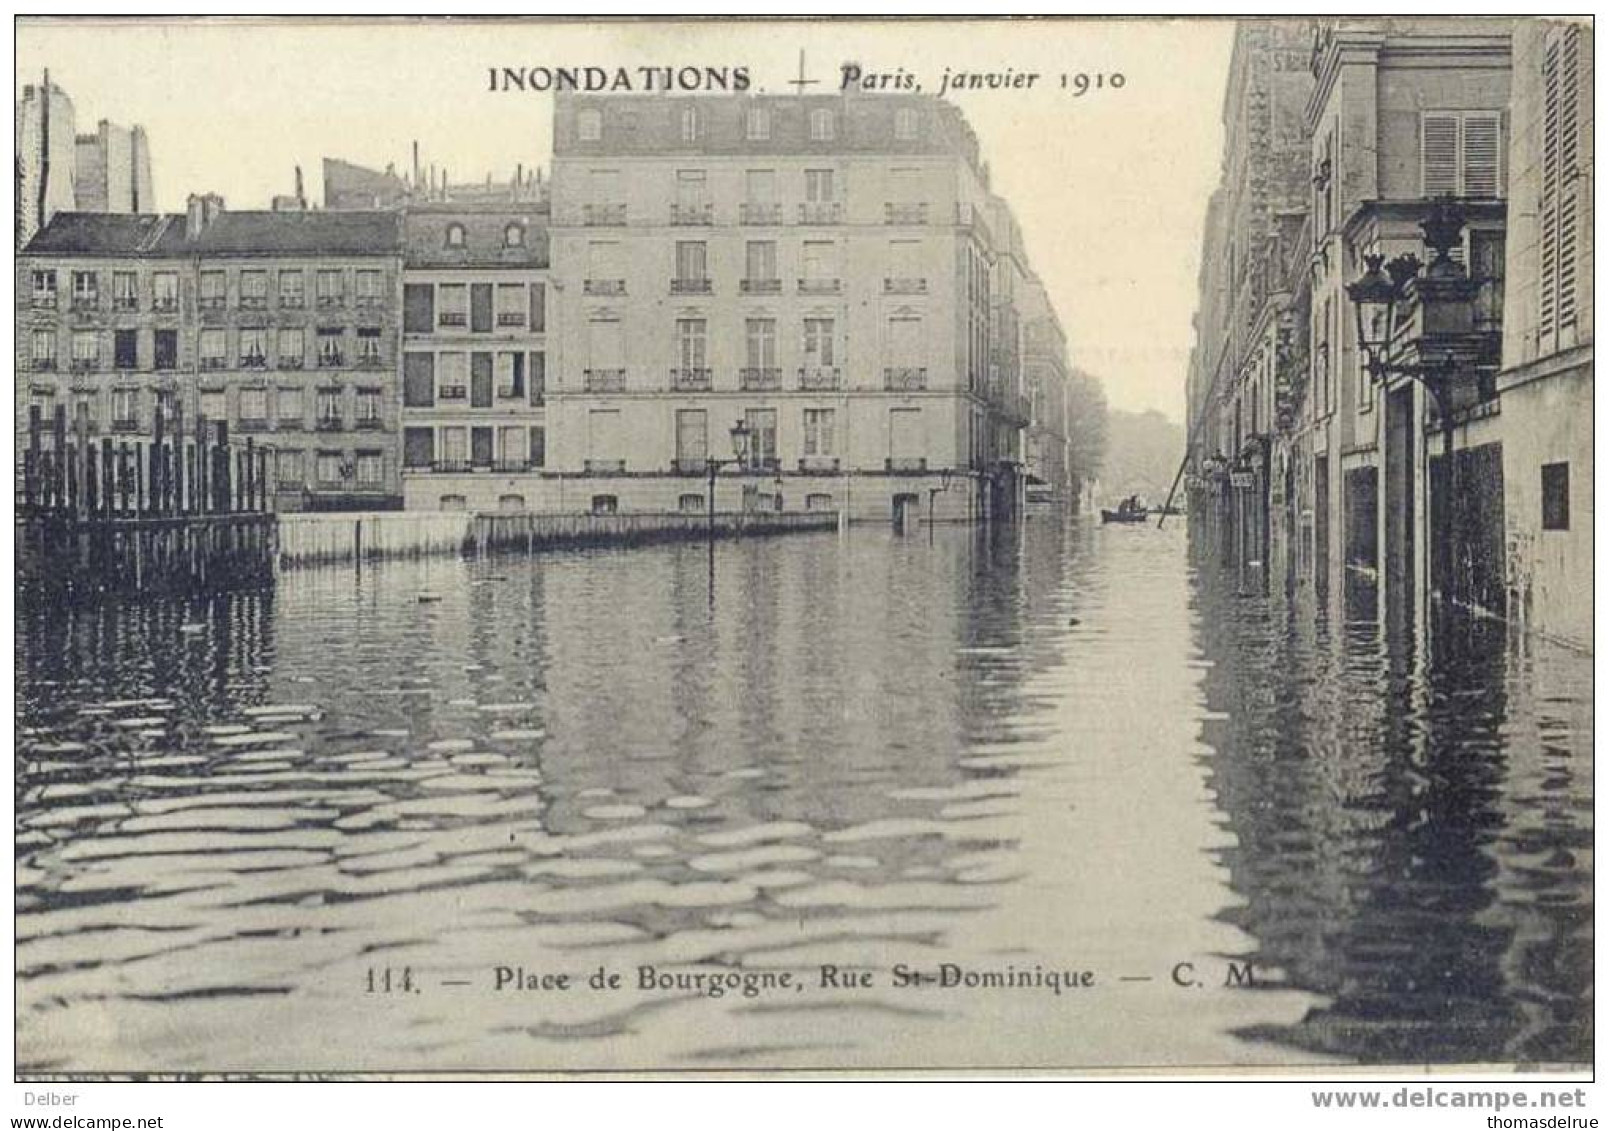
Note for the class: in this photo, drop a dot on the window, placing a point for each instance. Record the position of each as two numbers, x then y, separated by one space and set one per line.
906 442
539 445
821 125
818 424
418 380
605 504
453 503
332 467
589 125
165 291
760 256
44 286
480 308
370 290
125 290
86 289
692 204
1555 496
818 501
254 404
452 376
455 446
455 235
214 404
1460 154
211 346
511 446
511 304
690 502
905 124
214 289
820 261
418 308
418 447
1563 186
760 339
330 353
452 303
536 361
329 406
288 469
369 346
509 373
690 123
604 347
692 439
605 446
819 186
760 186
368 408
44 349
292 290
253 290
692 343
253 348
762 424
329 288
757 123
692 266
818 342
539 314
288 403
125 407
514 236
291 349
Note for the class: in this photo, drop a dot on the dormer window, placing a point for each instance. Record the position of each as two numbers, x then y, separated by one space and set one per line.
821 125
514 236
905 123
690 123
455 235
758 123
589 125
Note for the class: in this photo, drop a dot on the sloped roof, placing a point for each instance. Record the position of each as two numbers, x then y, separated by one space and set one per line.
102 233
229 233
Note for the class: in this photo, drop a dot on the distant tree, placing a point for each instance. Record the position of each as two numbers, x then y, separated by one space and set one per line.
1086 430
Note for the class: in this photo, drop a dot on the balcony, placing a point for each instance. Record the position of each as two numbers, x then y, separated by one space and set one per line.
330 424
369 423
690 380
86 364
86 302
752 213
211 362
44 302
603 380
690 286
331 359
290 362
292 302
253 302
290 424
821 212
905 378
760 286
453 393
759 380
692 215
604 286
330 302
125 424
697 466
820 286
904 213
125 303
603 215
605 466
511 318
907 285
211 302
253 424
452 318
254 361
818 465
369 302
905 465
165 306
511 466
819 378
370 361
450 466
44 365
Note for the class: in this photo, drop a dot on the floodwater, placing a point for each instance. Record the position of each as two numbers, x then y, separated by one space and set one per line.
591 811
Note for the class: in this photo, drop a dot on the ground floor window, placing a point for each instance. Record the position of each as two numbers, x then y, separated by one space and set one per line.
511 502
453 503
1555 496
818 502
605 504
690 502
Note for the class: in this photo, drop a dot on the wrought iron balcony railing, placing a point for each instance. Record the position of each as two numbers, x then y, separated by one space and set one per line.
905 285
690 286
820 212
904 377
750 212
760 286
816 378
604 286
603 215
692 214
904 213
604 380
906 464
605 466
690 380
752 379
820 286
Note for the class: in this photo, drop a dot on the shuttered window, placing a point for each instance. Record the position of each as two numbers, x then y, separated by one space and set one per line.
1461 154
1561 184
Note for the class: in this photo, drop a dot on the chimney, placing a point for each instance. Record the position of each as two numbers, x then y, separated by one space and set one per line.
416 165
200 212
301 197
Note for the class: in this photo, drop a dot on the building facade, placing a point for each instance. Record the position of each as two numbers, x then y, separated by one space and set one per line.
282 326
475 357
112 170
821 270
46 155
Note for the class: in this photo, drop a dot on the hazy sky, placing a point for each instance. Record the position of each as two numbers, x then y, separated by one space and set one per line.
1110 188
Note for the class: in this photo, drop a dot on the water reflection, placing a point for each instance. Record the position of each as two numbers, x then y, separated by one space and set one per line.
1041 749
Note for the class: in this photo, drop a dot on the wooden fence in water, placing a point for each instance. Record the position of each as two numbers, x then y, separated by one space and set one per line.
170 512
317 539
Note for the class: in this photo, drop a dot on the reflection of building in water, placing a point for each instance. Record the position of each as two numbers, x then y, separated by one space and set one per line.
1376 809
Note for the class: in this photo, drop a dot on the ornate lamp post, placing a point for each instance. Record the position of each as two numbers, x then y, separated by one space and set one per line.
1447 344
933 493
740 453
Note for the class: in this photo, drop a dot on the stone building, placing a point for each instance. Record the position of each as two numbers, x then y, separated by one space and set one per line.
820 269
475 360
284 326
1045 377
46 155
112 170
1545 386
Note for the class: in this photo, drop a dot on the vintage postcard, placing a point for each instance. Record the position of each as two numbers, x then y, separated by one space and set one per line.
1013 546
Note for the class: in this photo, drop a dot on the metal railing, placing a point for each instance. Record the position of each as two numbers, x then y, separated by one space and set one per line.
901 378
603 215
690 286
604 286
760 286
820 286
690 380
754 213
692 214
820 212
819 377
905 285
751 379
604 380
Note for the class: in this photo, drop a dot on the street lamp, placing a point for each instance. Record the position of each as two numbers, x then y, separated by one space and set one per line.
740 450
1447 343
933 493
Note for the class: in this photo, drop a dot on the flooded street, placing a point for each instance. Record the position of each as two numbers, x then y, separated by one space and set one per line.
322 826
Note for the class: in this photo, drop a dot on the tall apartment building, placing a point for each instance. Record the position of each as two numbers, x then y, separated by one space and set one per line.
1045 378
1545 385
475 361
283 325
46 155
819 269
112 170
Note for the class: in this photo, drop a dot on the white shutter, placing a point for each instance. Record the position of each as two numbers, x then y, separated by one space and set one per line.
1569 175
1482 155
1438 152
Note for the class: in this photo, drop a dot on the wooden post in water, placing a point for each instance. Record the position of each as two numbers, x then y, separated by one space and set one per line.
30 473
58 466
